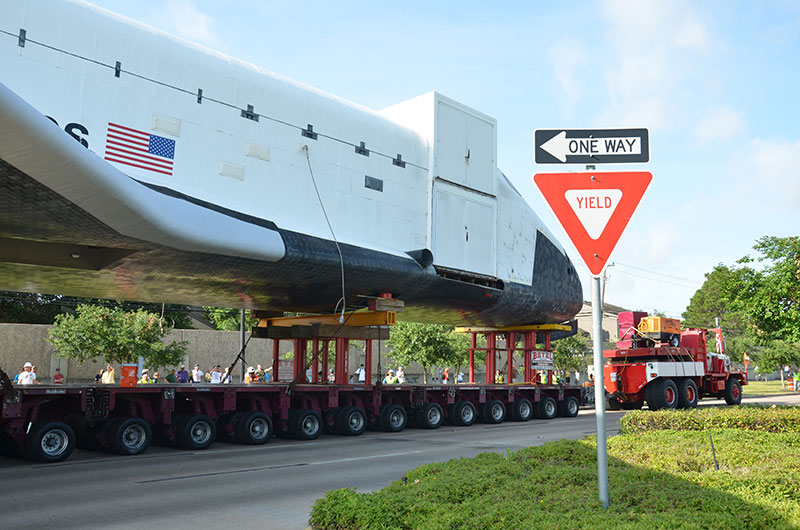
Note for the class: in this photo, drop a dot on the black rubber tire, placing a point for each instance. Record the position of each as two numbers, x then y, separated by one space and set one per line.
195 432
687 393
613 403
128 436
9 447
546 409
226 426
661 394
305 424
463 414
49 441
633 405
675 341
493 412
521 410
569 408
351 421
733 391
393 418
430 416
253 428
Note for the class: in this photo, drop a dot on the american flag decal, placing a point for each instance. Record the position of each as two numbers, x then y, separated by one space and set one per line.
139 149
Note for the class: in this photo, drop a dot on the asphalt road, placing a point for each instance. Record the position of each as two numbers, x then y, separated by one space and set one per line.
269 486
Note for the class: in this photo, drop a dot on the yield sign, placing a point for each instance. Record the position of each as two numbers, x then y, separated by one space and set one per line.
594 208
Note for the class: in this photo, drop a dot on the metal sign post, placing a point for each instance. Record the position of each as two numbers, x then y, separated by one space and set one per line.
599 392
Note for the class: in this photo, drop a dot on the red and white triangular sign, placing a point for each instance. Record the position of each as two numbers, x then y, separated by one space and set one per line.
594 208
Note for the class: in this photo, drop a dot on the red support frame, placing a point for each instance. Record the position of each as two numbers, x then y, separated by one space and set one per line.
276 352
368 361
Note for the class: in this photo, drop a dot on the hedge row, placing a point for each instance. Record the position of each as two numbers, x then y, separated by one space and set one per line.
662 479
767 418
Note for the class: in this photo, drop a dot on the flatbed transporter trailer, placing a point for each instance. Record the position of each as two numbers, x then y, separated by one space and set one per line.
45 422
666 370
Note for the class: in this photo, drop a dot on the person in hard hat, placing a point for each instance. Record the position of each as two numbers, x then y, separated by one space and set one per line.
145 379
331 376
27 377
390 378
250 376
498 377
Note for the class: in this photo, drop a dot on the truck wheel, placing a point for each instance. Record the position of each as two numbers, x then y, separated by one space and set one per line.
463 414
305 424
195 432
521 410
128 436
733 391
633 405
661 394
613 403
253 428
546 409
226 426
675 341
493 411
569 407
49 441
687 394
430 416
351 421
393 418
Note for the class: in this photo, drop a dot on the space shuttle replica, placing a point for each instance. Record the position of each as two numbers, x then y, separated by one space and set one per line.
135 165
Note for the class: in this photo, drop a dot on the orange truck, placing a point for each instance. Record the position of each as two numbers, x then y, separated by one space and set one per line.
657 363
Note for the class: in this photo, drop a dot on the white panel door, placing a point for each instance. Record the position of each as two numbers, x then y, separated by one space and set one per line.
451 144
481 162
463 230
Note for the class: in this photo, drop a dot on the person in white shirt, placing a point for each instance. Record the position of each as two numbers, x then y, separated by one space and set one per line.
216 375
27 377
401 375
197 374
362 374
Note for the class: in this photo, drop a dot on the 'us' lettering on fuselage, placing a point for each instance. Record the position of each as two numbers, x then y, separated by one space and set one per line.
76 130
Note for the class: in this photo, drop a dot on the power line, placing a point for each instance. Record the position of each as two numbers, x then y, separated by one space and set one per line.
657 279
680 278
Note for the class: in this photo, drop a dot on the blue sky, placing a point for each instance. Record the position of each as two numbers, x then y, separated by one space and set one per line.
716 82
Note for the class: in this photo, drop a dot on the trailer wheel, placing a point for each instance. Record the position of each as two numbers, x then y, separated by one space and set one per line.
393 418
226 426
49 441
128 436
9 446
305 424
675 340
569 407
661 394
521 410
430 416
632 405
493 411
546 409
351 421
687 394
733 391
195 432
463 414
253 428
613 403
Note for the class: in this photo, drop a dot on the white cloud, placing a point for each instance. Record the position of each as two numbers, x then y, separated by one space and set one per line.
653 48
185 19
772 172
719 125
566 58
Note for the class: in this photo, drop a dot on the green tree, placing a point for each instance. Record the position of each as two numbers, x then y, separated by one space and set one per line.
425 344
569 353
114 335
228 319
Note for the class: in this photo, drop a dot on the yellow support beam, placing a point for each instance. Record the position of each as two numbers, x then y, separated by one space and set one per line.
358 319
531 327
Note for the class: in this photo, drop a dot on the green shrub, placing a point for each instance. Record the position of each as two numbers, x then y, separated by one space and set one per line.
749 417
658 479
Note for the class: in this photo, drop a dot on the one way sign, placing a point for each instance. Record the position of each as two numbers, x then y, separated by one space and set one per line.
591 146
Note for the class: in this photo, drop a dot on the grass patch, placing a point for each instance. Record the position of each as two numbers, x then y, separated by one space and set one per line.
770 418
657 479
764 388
